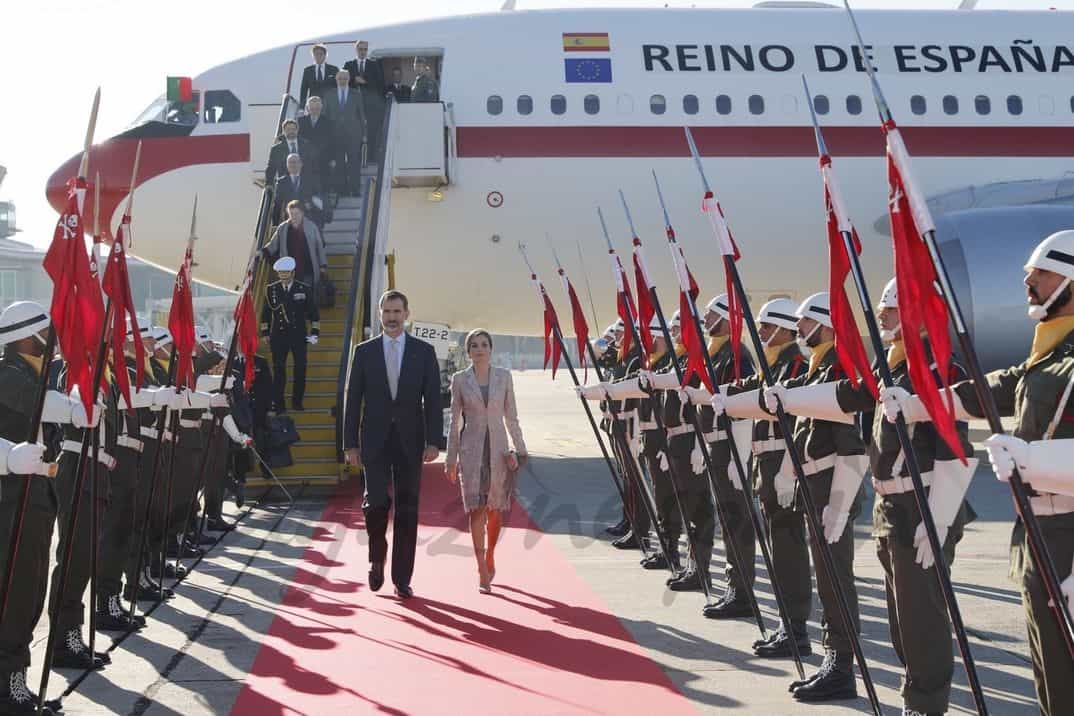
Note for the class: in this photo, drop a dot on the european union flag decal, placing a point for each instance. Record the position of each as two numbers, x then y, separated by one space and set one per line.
588 69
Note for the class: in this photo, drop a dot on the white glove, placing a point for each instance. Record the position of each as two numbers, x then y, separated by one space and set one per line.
684 397
697 460
950 481
645 380
1005 452
233 432
846 479
28 459
717 403
894 400
784 482
774 396
79 418
219 400
312 340
662 460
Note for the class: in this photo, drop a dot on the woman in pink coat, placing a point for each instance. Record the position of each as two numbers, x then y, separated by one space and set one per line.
479 455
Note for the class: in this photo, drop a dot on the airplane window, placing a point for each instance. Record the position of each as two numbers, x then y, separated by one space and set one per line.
591 104
494 104
558 104
983 104
689 104
658 104
821 104
1047 106
723 104
950 104
624 103
917 104
221 106
756 103
524 104
853 104
1014 104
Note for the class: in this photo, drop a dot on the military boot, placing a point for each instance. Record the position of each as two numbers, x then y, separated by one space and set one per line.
731 605
627 541
837 682
111 616
829 656
72 653
617 530
15 697
149 590
779 646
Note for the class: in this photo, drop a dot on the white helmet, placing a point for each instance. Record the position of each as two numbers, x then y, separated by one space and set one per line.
162 337
817 308
719 305
618 325
143 331
779 312
1055 254
201 334
676 321
22 319
889 298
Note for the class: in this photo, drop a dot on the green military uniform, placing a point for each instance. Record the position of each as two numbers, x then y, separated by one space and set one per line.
818 442
917 612
18 393
736 522
623 431
1031 392
786 525
654 452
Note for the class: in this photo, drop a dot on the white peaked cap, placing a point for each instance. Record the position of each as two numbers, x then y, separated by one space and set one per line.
284 263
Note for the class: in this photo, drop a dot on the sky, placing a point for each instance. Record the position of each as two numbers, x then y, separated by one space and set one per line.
55 53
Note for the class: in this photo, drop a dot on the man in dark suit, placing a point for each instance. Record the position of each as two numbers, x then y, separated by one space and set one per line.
367 77
344 107
289 304
396 379
396 86
297 184
290 143
315 127
318 77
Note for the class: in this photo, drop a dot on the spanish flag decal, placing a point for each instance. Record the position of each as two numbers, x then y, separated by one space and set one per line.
586 42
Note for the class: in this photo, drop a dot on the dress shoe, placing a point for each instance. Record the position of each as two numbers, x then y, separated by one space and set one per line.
74 654
831 684
730 606
618 530
627 541
219 524
376 576
111 616
655 561
403 591
690 581
779 646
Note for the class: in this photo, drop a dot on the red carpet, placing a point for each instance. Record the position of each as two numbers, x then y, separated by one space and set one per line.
543 643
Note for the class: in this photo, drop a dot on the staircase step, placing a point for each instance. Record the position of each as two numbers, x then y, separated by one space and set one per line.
315 417
318 434
339 261
328 371
340 273
340 250
308 449
323 402
347 214
349 202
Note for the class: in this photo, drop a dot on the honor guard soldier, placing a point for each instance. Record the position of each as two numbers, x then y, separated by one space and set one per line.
217 466
916 607
21 327
737 524
289 304
773 479
624 432
833 455
1037 393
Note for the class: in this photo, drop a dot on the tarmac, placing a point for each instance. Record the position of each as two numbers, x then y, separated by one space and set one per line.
196 655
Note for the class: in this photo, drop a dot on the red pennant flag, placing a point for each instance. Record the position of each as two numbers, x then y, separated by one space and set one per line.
692 340
551 322
848 344
181 322
625 306
581 327
77 310
246 330
646 311
922 310
118 289
712 209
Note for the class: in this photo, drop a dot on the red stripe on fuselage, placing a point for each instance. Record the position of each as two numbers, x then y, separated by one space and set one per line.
114 159
757 141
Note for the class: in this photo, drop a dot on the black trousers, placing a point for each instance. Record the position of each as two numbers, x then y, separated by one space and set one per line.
667 509
738 526
150 532
117 522
348 173
696 499
71 611
394 472
30 579
634 506
281 346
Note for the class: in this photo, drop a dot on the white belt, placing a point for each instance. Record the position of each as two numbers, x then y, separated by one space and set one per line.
128 442
812 467
898 485
680 430
647 425
207 415
190 424
151 433
76 447
1047 504
763 446
715 436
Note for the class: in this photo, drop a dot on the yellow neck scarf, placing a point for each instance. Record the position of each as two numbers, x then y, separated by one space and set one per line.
654 357
771 353
896 354
36 362
715 344
680 350
166 363
1047 336
819 351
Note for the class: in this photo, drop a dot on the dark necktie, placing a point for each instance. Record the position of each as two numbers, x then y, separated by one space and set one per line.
361 67
294 148
320 77
294 183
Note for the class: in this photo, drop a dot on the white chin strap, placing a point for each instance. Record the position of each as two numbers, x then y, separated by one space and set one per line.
890 335
803 342
1039 311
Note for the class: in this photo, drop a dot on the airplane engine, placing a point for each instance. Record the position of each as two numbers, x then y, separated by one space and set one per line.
991 246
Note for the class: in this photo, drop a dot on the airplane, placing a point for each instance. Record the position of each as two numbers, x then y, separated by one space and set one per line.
546 114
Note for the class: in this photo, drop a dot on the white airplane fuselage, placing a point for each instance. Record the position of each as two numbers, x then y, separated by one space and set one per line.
517 177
